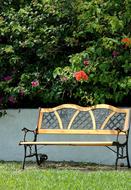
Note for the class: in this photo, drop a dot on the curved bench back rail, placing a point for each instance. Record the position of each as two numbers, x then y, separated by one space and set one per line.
74 119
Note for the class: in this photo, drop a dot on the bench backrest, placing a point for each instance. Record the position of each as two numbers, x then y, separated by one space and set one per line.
74 119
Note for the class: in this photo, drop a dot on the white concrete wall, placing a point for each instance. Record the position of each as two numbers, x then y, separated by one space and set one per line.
10 136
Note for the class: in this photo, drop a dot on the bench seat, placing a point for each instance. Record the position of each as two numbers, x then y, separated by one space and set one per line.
71 143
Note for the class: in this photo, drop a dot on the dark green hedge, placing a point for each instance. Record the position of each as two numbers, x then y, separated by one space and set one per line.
44 45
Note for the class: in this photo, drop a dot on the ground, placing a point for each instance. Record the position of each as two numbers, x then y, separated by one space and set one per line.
71 165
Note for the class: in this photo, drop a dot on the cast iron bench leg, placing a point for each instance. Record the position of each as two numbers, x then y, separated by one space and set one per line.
25 148
128 162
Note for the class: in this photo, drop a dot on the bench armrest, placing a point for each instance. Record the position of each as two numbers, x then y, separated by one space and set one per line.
126 135
26 130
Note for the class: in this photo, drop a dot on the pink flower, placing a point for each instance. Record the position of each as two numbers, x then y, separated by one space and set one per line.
35 83
115 53
7 78
63 78
12 99
86 62
80 75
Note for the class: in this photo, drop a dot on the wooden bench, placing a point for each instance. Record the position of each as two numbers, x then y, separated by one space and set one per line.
70 119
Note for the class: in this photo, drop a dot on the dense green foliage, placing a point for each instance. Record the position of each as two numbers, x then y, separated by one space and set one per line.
12 177
45 42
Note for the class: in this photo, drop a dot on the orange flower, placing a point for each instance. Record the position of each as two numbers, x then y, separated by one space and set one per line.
127 41
80 75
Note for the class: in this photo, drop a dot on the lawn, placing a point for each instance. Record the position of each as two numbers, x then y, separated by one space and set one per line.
62 178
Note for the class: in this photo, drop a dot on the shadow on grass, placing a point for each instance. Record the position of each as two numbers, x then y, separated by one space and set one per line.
71 165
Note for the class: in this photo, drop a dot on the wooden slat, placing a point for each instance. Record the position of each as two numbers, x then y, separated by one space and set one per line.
107 119
93 119
72 119
59 119
127 119
39 123
79 132
70 143
80 108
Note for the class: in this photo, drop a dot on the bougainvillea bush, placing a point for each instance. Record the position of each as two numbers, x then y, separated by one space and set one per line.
62 51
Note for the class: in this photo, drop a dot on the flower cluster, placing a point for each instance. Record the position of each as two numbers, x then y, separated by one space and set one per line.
86 62
126 41
12 99
115 54
35 83
80 75
7 78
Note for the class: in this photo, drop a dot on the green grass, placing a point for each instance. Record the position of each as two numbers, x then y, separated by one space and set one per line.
12 177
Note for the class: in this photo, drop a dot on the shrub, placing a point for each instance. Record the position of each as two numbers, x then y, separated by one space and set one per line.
44 44
103 31
32 45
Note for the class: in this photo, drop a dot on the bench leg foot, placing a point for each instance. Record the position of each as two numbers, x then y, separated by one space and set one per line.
40 157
